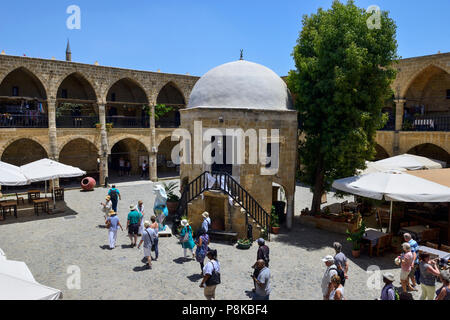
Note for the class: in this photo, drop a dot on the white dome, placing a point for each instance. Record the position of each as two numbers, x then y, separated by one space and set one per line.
241 84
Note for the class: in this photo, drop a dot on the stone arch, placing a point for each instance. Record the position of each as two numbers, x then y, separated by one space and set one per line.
25 75
128 149
85 88
432 151
23 150
418 73
381 153
171 95
166 168
67 141
81 153
127 82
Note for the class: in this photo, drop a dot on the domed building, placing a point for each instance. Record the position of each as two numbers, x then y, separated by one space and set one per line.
240 153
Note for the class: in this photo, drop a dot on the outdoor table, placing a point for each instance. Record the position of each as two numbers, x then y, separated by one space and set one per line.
7 207
415 231
41 204
372 236
441 254
33 195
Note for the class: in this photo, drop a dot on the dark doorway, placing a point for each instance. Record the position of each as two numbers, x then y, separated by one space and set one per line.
223 161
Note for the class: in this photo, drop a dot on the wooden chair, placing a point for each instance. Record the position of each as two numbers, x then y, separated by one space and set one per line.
19 199
431 235
432 245
445 248
382 218
384 244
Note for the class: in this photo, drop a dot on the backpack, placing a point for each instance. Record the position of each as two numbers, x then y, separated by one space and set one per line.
113 194
341 274
396 294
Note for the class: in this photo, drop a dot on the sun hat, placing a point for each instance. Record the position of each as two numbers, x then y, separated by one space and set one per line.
389 276
132 206
111 213
108 198
147 224
328 259
205 214
184 223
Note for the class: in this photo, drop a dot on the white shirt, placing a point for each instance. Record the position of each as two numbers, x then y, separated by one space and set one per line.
327 278
208 268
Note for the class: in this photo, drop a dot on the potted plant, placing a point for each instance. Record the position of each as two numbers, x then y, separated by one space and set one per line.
172 198
274 222
244 244
356 238
98 125
109 126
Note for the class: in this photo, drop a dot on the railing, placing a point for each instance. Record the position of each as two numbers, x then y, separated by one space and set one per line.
427 123
167 124
128 122
225 183
76 122
23 121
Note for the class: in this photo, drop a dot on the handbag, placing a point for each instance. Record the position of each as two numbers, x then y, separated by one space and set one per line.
214 279
186 236
108 224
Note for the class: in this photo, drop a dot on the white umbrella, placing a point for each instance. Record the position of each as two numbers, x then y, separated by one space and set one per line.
410 162
394 186
11 175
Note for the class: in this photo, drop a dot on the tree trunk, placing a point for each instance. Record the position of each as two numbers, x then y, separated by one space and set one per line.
318 188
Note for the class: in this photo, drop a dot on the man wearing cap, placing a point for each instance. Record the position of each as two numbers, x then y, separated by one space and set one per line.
327 285
388 291
113 223
148 237
133 222
206 222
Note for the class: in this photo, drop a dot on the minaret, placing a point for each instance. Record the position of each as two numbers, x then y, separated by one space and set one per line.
68 52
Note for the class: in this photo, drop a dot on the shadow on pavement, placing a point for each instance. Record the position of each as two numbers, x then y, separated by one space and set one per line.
195 277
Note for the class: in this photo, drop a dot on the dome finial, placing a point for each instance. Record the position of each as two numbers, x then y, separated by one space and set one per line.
242 54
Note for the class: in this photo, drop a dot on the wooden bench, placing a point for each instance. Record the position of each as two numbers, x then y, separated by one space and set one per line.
222 235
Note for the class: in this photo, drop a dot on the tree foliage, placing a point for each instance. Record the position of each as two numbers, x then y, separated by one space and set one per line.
342 79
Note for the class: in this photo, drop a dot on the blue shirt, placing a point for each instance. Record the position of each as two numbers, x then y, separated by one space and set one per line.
264 278
148 236
114 222
388 292
205 224
414 247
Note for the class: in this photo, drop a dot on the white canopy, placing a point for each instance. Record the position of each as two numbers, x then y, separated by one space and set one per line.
46 169
394 186
410 162
17 283
11 175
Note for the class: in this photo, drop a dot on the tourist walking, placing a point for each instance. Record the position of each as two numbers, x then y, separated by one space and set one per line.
202 248
133 222
388 291
107 206
211 277
187 242
262 281
341 262
148 238
154 225
113 224
114 197
414 250
407 262
206 224
428 273
331 270
144 169
443 293
338 289
121 167
128 168
262 254
140 209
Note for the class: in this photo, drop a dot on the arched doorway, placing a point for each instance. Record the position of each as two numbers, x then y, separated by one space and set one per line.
431 151
82 154
127 105
23 151
172 97
381 153
76 103
427 101
166 168
127 150
23 101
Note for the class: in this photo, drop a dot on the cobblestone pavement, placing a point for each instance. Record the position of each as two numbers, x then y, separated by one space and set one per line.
50 244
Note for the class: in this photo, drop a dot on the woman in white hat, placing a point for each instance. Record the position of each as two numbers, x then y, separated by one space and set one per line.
113 224
187 241
107 206
140 209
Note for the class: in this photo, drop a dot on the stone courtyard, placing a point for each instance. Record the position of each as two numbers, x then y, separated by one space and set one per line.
50 244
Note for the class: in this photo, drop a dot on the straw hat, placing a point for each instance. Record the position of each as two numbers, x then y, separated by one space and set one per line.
205 214
147 224
184 223
111 213
108 198
132 207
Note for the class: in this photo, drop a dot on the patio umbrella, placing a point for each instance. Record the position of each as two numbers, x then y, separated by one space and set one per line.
394 186
11 175
410 162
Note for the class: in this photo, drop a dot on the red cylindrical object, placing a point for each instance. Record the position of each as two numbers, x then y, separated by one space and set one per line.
88 183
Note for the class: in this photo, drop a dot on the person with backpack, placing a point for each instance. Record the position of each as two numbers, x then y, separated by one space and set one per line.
262 254
211 277
206 224
331 271
388 292
187 241
115 197
262 282
148 237
341 262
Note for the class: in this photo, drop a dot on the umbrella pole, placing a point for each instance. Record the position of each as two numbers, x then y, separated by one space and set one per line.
45 188
54 198
390 219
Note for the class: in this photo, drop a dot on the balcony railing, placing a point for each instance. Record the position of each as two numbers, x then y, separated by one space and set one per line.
23 121
76 122
128 122
167 124
427 123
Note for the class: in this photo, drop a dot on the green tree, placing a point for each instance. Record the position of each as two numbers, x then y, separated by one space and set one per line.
343 74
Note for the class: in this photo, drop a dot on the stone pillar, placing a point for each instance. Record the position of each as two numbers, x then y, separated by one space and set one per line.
290 211
153 163
103 144
399 109
52 135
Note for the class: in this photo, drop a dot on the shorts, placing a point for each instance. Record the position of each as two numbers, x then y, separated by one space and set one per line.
147 252
133 229
404 275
